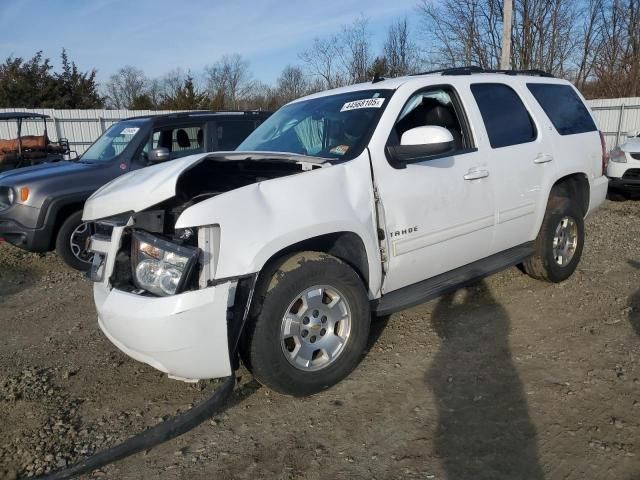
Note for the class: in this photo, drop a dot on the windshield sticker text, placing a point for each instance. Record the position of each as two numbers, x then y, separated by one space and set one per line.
366 103
129 131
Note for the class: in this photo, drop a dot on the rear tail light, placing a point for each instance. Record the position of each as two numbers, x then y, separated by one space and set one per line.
605 155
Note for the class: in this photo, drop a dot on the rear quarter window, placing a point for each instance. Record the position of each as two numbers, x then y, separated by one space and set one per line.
505 117
564 108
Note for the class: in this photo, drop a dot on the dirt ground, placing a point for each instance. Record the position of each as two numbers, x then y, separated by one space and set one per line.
511 378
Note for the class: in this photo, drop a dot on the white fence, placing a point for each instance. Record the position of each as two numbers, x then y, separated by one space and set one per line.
80 127
616 118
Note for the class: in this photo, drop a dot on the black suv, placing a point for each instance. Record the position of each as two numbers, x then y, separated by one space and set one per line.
41 206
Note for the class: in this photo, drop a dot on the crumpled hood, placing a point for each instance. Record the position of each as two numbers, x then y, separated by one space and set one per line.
137 190
141 189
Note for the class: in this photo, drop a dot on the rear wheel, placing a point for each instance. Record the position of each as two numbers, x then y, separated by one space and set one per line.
308 326
559 244
72 242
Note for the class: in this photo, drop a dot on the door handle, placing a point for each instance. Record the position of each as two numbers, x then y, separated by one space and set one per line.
543 158
476 174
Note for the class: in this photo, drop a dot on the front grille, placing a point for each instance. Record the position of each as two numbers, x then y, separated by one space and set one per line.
104 229
635 156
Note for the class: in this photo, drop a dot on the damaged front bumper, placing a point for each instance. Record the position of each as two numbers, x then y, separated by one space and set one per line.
184 335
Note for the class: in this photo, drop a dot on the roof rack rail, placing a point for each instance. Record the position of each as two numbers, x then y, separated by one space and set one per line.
471 69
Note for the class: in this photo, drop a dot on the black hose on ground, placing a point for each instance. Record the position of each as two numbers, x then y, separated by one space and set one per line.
160 433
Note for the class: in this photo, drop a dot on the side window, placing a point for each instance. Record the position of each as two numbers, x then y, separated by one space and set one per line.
150 145
563 107
180 141
231 133
187 141
437 107
505 117
155 139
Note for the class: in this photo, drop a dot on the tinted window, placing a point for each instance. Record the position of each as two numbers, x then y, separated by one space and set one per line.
180 141
231 133
563 107
505 117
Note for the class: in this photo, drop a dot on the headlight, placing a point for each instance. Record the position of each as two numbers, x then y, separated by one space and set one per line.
7 197
617 156
161 267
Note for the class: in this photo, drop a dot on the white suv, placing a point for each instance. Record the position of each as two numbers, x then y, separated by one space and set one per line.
363 200
624 167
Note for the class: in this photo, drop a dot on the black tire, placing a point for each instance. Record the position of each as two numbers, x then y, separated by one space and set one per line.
63 246
262 349
542 265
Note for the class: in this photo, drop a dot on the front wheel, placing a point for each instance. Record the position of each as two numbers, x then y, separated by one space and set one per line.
559 244
308 326
72 242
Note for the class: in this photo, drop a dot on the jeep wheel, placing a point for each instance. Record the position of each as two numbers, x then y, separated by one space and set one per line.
559 244
308 325
72 242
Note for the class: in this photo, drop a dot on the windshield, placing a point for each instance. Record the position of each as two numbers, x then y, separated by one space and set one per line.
335 126
112 142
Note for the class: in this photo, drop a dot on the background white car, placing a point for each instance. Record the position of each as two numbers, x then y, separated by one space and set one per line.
624 167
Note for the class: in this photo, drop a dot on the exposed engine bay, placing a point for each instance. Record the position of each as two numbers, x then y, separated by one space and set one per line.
214 176
208 178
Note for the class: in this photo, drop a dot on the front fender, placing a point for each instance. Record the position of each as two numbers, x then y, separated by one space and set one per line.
260 220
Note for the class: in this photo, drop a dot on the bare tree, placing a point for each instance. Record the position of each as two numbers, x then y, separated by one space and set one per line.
291 84
468 32
322 60
261 97
355 50
400 52
616 67
343 58
229 80
544 35
125 86
591 40
463 32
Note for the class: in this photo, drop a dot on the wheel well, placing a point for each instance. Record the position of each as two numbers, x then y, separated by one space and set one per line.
347 246
62 214
574 186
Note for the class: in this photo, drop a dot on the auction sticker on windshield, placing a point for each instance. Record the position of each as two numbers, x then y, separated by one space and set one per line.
129 131
365 103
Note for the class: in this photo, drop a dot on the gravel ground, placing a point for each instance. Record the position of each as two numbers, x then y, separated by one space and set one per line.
510 378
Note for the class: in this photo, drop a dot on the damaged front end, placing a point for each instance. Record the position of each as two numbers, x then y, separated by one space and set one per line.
155 286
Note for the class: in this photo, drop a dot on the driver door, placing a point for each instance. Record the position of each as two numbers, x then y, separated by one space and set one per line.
438 211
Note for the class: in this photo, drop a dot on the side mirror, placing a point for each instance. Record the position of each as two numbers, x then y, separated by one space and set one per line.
421 142
158 155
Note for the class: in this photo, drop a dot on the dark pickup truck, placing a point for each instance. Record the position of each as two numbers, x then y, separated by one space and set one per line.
41 206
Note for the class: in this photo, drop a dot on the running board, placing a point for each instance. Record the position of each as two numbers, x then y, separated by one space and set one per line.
412 295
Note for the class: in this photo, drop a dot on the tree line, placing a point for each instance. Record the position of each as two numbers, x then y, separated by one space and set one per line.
593 43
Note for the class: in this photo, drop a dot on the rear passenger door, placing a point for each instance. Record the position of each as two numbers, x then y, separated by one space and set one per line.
518 157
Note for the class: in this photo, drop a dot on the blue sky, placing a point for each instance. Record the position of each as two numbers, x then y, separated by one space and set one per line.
160 35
